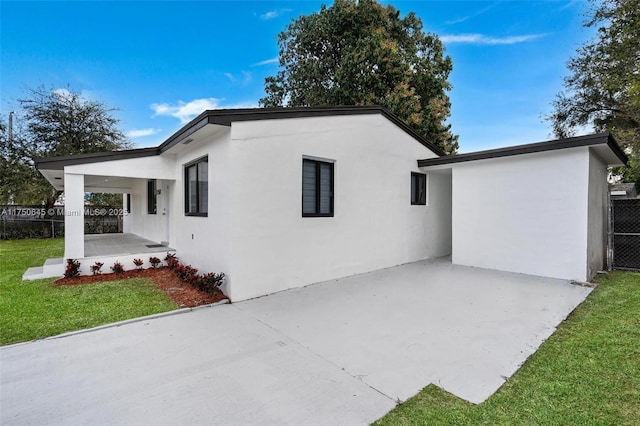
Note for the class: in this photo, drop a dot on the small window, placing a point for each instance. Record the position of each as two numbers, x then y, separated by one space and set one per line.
152 196
317 188
418 189
128 207
196 178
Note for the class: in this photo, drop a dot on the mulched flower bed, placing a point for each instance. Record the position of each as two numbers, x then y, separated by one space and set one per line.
180 292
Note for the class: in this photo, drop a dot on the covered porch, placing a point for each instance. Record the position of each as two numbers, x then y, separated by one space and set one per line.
107 249
96 245
143 177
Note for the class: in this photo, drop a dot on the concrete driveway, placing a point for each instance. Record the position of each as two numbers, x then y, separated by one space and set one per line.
339 352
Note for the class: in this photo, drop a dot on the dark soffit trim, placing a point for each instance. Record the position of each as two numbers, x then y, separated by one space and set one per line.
573 142
224 117
58 163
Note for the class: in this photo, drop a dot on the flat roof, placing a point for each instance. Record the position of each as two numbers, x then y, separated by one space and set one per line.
604 138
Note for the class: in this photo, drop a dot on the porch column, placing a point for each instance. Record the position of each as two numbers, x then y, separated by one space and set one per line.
74 216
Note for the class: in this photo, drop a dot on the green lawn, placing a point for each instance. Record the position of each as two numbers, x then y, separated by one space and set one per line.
587 373
35 309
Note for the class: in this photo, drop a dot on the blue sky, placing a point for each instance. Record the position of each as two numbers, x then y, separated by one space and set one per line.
161 63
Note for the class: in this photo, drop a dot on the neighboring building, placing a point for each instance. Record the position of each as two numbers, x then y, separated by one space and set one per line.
281 198
623 190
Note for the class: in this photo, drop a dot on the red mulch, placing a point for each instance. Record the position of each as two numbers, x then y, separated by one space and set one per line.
181 293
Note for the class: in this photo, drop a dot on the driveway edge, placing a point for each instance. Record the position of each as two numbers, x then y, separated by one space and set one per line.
124 322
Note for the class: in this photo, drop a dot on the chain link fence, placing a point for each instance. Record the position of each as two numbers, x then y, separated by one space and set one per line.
625 233
38 222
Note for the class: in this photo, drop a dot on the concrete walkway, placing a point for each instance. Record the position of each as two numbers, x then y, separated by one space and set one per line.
120 244
340 352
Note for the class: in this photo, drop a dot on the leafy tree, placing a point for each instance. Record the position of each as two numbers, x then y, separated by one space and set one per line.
362 53
20 182
52 123
103 199
603 89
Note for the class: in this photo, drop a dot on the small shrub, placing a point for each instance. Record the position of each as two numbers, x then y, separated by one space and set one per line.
117 268
208 283
95 268
72 269
138 263
172 261
211 282
154 261
187 273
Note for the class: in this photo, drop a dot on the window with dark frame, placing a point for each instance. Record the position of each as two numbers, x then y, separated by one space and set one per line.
128 208
196 191
317 188
152 196
418 189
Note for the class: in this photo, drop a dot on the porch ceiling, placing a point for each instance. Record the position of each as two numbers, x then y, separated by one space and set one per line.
109 184
93 183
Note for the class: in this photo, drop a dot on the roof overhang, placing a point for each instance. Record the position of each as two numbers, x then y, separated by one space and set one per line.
225 117
602 143
52 167
59 163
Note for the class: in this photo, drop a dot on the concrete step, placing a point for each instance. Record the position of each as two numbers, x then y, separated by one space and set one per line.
34 273
53 267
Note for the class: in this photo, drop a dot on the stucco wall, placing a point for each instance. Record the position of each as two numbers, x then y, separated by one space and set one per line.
150 226
525 213
204 241
374 225
597 216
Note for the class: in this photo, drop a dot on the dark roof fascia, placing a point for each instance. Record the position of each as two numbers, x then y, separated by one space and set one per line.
404 126
574 142
613 146
188 129
59 163
225 117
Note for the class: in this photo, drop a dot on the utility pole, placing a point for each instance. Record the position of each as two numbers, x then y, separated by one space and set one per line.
10 128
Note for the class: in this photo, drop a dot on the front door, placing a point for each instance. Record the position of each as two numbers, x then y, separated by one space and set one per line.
166 210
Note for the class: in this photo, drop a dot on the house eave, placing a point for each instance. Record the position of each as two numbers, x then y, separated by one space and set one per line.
224 117
602 139
60 162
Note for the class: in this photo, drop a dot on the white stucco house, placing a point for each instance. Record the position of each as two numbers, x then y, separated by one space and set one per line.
282 198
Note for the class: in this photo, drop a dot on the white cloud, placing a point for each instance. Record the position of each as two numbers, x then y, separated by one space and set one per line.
272 14
185 111
242 80
487 40
62 94
139 133
473 15
267 62
83 96
570 4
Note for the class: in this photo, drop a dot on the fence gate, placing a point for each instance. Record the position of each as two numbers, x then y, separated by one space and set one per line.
624 234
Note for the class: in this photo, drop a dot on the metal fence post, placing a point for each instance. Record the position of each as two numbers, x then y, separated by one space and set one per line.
609 232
